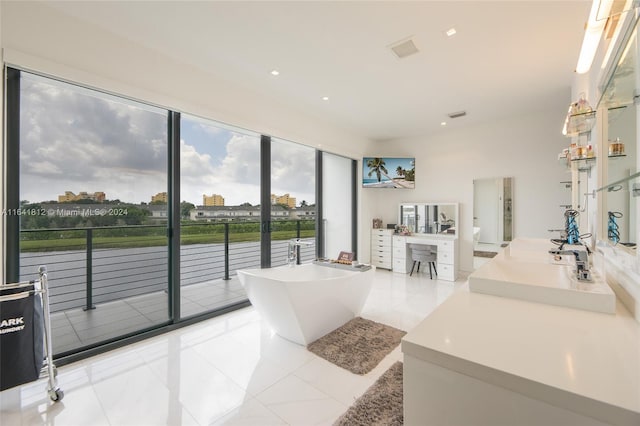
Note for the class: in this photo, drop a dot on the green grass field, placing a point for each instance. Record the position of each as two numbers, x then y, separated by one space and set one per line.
152 240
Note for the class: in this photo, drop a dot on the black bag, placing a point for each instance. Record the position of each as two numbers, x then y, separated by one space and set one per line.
21 338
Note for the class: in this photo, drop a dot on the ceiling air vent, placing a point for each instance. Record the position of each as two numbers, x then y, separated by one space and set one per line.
404 48
457 114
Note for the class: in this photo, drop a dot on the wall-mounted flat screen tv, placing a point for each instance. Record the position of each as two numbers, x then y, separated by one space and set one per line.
388 172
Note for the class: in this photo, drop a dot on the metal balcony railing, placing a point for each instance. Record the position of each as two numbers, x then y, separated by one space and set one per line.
100 264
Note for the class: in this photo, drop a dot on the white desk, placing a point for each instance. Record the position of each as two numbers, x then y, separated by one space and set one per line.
447 248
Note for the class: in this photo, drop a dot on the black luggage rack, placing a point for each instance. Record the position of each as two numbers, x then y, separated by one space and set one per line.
26 349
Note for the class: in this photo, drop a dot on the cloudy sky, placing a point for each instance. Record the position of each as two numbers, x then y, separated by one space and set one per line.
74 139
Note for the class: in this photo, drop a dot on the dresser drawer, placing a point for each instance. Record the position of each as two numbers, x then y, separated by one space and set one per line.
397 239
446 272
381 249
381 262
400 265
399 252
380 257
445 245
445 256
375 241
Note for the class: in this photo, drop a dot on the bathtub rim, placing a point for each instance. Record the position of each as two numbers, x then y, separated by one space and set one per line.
276 273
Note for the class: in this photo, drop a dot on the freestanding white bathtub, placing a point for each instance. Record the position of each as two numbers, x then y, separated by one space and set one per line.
304 302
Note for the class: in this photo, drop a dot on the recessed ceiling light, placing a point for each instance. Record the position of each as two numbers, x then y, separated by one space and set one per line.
275 72
325 98
450 32
443 123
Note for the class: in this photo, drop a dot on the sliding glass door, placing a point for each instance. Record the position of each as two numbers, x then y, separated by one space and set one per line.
337 205
220 215
293 206
90 167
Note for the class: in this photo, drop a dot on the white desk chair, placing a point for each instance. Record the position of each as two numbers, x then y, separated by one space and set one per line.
422 253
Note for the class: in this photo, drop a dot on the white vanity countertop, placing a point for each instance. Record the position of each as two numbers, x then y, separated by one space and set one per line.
417 236
584 361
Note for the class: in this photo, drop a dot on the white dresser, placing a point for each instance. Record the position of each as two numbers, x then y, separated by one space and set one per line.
381 256
400 262
447 261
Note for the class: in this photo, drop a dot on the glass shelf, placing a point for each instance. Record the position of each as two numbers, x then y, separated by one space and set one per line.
614 113
584 164
577 124
619 184
563 158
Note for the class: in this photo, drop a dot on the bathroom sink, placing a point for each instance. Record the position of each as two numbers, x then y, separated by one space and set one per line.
541 282
530 250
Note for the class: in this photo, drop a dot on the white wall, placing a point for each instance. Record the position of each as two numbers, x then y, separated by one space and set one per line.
524 146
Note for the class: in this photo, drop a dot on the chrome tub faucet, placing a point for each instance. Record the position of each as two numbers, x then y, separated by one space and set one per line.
292 253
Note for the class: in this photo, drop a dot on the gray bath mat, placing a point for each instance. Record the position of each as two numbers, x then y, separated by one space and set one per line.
480 253
380 405
357 346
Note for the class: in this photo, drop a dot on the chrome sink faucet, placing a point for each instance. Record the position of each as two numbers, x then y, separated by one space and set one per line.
292 253
582 261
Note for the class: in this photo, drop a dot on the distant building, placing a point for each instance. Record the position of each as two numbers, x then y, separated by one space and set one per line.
303 213
212 200
160 197
235 213
285 199
157 211
71 197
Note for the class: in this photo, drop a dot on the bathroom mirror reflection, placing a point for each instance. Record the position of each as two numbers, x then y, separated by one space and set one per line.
427 218
492 215
619 100
621 214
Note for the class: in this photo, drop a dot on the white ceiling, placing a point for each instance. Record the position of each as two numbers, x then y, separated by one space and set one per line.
506 55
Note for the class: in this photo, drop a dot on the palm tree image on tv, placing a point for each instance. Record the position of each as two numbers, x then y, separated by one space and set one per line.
379 172
377 165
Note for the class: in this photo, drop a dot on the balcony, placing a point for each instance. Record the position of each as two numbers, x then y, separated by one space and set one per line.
109 282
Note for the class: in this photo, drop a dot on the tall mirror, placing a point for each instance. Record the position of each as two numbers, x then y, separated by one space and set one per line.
621 215
492 216
620 98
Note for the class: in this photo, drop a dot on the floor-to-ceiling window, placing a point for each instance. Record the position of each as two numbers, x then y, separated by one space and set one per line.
143 215
293 205
220 215
92 174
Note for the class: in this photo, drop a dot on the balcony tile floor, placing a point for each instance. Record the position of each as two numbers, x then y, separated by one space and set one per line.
75 328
